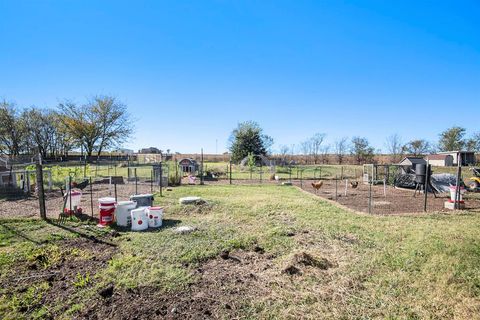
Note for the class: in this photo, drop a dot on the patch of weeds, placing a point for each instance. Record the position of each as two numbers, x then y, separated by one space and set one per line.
24 302
82 281
43 257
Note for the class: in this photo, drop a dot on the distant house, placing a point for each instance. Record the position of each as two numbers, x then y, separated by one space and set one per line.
124 151
151 150
408 164
440 160
467 157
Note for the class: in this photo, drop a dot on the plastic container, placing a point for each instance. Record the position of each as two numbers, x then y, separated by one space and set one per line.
453 190
107 210
139 219
74 197
143 200
123 213
155 215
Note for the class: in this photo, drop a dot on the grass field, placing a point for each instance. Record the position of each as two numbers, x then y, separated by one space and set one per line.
409 267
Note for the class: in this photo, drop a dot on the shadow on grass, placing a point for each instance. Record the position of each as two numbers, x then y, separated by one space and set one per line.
77 232
166 224
20 234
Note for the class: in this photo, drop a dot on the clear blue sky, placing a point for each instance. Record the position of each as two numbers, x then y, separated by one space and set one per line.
191 70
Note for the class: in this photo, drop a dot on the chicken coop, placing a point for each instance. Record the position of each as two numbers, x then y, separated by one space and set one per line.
188 166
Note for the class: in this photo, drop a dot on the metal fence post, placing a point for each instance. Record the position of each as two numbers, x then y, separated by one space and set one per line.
161 182
136 181
336 187
230 172
301 179
370 197
201 168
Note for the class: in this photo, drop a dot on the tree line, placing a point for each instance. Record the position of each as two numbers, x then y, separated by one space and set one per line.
101 123
249 137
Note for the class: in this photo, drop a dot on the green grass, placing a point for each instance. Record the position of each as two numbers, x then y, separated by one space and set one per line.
408 267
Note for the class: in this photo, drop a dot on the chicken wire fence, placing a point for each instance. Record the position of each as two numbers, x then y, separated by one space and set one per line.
345 185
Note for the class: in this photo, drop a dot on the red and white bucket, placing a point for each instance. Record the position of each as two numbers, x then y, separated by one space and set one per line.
155 215
107 210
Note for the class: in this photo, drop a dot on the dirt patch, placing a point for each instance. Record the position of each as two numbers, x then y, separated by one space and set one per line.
304 259
225 287
74 264
197 208
393 201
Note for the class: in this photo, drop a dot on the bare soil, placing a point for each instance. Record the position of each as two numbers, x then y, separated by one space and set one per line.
393 201
60 275
224 287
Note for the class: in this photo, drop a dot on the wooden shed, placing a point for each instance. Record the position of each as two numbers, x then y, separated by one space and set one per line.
408 164
440 160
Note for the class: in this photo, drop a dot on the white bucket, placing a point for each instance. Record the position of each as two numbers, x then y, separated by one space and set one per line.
123 213
155 215
139 219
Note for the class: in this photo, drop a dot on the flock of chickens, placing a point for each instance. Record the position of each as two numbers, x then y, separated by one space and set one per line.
319 184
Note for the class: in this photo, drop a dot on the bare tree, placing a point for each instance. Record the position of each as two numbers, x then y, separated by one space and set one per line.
316 145
12 129
395 148
41 130
284 152
325 150
306 149
341 148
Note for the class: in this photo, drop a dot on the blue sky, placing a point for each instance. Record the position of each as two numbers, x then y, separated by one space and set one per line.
191 70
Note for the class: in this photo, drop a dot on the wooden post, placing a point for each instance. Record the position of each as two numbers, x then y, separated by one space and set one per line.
41 194
346 186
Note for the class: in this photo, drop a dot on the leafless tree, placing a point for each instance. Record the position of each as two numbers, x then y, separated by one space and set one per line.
12 129
316 146
284 152
341 148
306 149
395 148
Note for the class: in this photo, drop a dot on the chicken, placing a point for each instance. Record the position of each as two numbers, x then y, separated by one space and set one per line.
354 184
317 185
